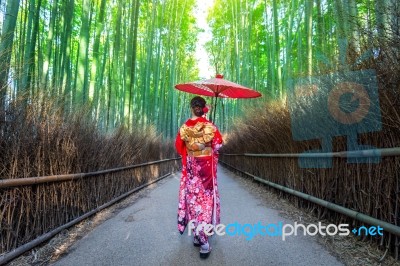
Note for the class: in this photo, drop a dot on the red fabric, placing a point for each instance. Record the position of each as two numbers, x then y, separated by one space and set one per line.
197 194
180 145
218 87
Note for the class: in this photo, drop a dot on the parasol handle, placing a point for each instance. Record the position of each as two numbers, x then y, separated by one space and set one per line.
213 114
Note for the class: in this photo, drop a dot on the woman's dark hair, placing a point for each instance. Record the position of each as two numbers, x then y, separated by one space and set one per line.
197 104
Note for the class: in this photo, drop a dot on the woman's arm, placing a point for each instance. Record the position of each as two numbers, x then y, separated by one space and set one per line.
217 141
180 145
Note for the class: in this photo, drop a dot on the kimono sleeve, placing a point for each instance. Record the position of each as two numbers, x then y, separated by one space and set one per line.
180 145
217 141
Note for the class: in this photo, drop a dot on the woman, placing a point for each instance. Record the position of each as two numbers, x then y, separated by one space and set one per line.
198 141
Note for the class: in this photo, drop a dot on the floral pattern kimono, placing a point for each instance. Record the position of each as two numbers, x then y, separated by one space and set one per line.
198 191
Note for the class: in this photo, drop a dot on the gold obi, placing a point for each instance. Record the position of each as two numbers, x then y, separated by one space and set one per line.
198 138
207 151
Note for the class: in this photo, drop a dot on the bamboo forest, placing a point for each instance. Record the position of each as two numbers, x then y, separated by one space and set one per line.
122 59
90 85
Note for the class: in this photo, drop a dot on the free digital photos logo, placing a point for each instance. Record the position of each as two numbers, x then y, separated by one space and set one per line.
280 229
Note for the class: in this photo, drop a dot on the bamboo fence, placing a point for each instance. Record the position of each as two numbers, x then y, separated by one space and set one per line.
31 207
267 150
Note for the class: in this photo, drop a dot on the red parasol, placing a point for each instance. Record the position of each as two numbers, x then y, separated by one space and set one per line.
218 87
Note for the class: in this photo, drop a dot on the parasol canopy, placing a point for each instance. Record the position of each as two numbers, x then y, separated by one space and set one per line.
218 87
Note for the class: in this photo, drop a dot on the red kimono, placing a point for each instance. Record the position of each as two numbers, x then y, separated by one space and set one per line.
198 191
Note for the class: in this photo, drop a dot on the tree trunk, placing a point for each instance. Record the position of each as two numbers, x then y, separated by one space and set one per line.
29 61
94 77
277 49
382 21
82 82
66 53
49 45
309 31
7 39
354 36
115 117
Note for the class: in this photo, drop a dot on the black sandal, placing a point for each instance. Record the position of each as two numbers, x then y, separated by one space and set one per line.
204 253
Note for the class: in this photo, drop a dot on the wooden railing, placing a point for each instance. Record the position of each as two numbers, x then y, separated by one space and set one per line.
34 209
370 190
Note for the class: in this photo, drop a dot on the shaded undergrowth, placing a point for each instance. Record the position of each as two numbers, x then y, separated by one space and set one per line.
38 138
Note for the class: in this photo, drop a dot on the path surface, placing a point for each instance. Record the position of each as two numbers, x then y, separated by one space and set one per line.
145 233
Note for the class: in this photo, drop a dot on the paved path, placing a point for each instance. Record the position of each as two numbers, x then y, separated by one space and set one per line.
145 233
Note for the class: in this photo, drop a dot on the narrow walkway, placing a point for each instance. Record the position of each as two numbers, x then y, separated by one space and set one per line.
145 233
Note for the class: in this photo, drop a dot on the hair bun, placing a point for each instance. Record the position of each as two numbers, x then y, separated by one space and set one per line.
198 101
198 104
